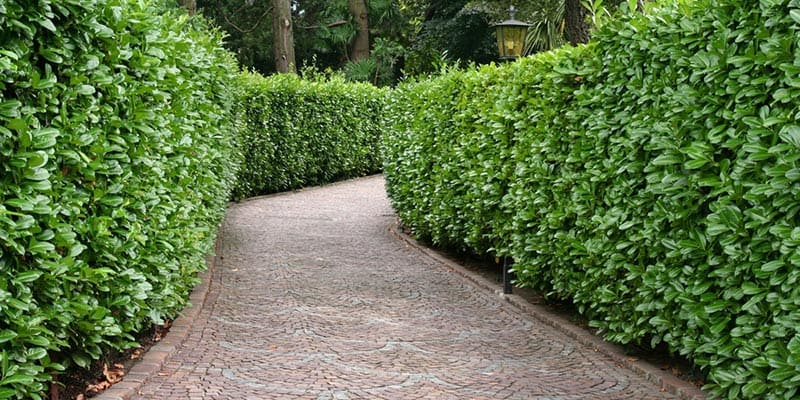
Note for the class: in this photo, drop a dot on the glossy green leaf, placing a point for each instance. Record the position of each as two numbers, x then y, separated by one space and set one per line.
28 276
791 134
81 188
795 14
6 335
17 379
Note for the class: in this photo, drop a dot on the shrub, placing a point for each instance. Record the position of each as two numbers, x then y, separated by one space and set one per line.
116 151
651 177
306 132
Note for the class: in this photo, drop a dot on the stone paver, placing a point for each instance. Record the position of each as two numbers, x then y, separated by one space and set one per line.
315 298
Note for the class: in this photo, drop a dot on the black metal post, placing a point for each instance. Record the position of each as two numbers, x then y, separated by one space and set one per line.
507 289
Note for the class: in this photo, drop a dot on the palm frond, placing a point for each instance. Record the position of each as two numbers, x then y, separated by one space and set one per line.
547 29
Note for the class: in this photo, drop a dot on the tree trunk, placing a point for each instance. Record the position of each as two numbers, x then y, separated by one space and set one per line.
360 46
576 28
283 38
190 5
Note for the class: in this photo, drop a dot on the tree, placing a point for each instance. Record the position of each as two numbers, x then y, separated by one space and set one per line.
577 27
283 39
326 33
452 31
384 37
360 47
248 29
190 5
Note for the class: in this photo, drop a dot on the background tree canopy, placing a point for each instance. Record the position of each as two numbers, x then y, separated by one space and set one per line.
406 37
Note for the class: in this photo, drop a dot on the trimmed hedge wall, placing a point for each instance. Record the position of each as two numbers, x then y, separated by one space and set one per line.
306 132
117 156
651 177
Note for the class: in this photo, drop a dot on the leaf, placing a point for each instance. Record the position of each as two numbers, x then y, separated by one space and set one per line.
86 90
101 30
794 344
48 82
750 288
92 62
754 388
81 360
41 186
27 276
791 134
782 374
42 248
772 266
76 250
37 353
47 24
17 379
21 204
695 164
6 335
716 306
44 138
10 108
112 201
36 174
37 159
667 159
19 125
19 305
795 14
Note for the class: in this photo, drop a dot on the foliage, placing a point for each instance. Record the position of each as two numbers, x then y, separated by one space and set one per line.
462 33
116 153
547 28
654 182
248 28
422 34
327 30
323 30
380 68
302 133
361 71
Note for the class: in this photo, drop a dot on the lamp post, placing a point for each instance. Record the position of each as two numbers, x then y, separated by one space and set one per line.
510 44
511 36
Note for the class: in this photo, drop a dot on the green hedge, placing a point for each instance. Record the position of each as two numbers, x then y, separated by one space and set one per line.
651 177
306 132
116 153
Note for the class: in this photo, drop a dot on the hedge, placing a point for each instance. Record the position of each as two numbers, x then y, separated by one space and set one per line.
651 177
303 132
117 151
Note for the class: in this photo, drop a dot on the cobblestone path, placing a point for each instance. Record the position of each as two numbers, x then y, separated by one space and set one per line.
316 299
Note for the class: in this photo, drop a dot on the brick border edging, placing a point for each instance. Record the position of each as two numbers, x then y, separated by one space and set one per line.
158 355
655 375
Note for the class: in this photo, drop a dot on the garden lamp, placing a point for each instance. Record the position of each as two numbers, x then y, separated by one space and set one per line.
511 36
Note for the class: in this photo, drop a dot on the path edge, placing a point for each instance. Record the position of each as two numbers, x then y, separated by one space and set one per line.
160 353
668 382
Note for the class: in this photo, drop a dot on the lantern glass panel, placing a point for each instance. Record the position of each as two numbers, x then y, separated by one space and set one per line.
510 40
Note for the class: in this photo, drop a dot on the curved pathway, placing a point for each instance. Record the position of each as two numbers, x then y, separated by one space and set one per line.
315 298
